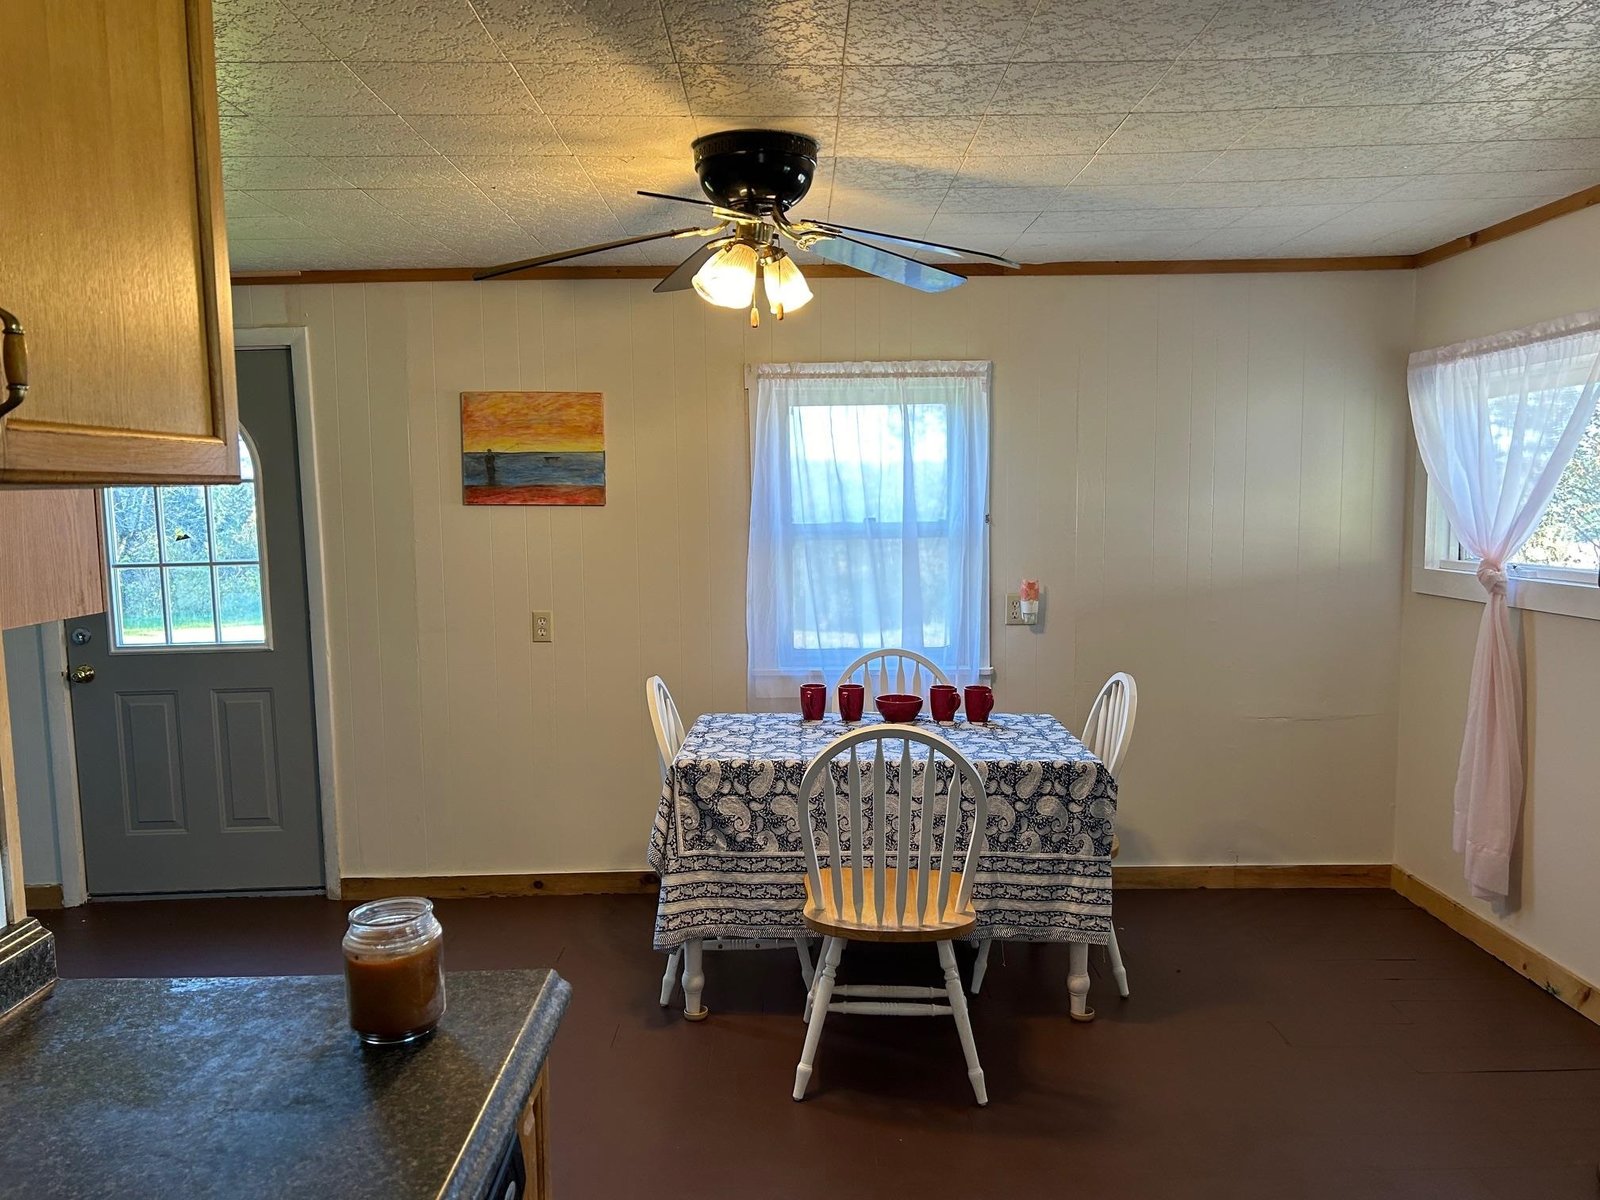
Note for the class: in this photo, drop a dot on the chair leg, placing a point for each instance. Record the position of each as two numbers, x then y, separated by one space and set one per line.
807 973
1118 971
694 981
822 993
980 965
670 979
958 1009
1078 981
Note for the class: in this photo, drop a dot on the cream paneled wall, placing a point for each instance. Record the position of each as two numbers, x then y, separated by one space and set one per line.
1205 472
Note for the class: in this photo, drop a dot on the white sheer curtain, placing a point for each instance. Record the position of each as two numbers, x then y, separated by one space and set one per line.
1497 420
868 519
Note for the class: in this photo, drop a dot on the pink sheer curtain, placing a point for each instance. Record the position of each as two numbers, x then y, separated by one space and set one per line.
1497 420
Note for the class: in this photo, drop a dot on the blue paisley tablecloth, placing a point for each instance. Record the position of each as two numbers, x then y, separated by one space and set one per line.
727 835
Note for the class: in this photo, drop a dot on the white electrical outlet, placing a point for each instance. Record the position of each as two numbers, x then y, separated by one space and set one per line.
544 627
1014 609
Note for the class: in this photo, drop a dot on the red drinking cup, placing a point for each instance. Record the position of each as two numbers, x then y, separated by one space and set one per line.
943 700
852 698
980 703
813 701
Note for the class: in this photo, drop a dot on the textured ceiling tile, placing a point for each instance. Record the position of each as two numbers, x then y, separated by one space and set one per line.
1235 242
1159 133
339 136
904 137
1101 247
620 89
872 174
578 31
275 174
1257 28
526 134
1388 124
935 31
245 137
1580 27
325 207
626 175
1561 119
301 254
928 91
266 227
1165 219
398 30
610 136
1033 170
1495 185
1073 133
1145 168
1286 191
262 31
1324 243
1535 75
443 207
906 212
1087 199
1551 154
998 199
1106 30
567 233
455 89
248 204
1291 217
1075 87
753 91
639 214
803 32
544 188
433 171
1354 79
294 88
819 128
1326 162
970 228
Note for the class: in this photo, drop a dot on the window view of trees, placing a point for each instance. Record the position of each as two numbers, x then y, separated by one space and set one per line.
1569 533
185 563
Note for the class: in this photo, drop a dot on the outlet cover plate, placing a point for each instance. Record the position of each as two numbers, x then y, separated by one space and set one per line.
544 627
1014 609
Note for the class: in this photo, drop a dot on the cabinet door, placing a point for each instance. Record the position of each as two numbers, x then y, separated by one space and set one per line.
50 556
112 250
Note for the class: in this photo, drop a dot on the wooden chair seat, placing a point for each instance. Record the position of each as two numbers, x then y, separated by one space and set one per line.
834 916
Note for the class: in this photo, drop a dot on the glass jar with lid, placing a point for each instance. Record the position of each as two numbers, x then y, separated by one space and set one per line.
394 970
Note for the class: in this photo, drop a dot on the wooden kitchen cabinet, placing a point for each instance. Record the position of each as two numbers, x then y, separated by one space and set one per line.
50 555
113 256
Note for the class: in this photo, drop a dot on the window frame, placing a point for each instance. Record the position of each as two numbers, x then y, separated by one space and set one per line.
113 619
799 665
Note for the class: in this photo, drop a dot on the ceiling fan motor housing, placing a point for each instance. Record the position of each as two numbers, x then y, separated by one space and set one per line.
755 170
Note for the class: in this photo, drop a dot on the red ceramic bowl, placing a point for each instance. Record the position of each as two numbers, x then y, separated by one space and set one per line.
899 708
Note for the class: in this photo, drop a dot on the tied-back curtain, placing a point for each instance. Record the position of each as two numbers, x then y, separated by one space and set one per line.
868 519
1497 420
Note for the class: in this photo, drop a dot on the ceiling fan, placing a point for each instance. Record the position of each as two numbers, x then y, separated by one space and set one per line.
752 177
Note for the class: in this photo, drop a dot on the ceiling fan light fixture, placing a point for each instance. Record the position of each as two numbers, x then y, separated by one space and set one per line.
728 278
786 287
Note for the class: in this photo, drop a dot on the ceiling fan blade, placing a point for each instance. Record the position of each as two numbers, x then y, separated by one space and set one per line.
544 260
682 276
916 243
679 199
885 264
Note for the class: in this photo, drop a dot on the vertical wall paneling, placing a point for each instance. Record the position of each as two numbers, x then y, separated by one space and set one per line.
1198 469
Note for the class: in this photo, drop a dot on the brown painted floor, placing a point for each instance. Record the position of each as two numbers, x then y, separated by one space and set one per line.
1278 1044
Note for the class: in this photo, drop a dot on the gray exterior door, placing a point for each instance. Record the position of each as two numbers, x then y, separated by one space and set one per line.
195 737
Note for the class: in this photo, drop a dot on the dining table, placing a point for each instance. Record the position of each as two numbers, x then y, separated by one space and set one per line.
727 841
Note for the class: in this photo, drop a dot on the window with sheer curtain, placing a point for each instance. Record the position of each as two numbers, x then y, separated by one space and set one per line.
868 518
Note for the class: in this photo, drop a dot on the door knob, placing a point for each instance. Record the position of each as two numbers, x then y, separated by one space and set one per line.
81 674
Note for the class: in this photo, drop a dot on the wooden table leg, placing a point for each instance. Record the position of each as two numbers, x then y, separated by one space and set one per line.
694 981
1078 980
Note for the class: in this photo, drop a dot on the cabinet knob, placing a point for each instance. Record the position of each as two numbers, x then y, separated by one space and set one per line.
83 673
13 361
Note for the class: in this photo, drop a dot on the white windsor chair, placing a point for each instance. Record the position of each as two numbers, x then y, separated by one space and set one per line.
669 732
912 674
925 896
1106 733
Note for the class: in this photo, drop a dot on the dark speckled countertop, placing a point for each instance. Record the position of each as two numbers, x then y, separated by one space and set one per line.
246 1088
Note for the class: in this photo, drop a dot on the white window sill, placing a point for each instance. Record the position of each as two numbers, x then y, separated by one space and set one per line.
1533 595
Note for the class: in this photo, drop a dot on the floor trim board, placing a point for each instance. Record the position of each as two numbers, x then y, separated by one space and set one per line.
459 887
1244 875
43 896
1566 986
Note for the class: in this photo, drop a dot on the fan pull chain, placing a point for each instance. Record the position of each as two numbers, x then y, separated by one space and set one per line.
755 318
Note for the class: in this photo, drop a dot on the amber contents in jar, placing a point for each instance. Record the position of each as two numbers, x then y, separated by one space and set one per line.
394 970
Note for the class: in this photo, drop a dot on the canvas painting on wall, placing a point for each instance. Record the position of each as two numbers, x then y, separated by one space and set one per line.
533 448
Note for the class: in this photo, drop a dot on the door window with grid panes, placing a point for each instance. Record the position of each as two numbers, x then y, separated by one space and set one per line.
184 563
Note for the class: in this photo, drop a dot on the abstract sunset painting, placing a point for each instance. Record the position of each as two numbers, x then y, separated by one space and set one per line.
533 448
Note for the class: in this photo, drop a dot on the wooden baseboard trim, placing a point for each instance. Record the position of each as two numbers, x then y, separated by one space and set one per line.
40 897
1571 989
1313 875
461 887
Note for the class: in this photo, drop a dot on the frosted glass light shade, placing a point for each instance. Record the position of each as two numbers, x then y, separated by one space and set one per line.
786 287
728 278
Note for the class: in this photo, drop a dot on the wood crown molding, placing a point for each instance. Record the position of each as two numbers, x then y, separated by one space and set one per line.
1166 266
1571 989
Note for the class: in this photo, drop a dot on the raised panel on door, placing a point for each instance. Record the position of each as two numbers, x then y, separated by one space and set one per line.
111 248
150 762
247 758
